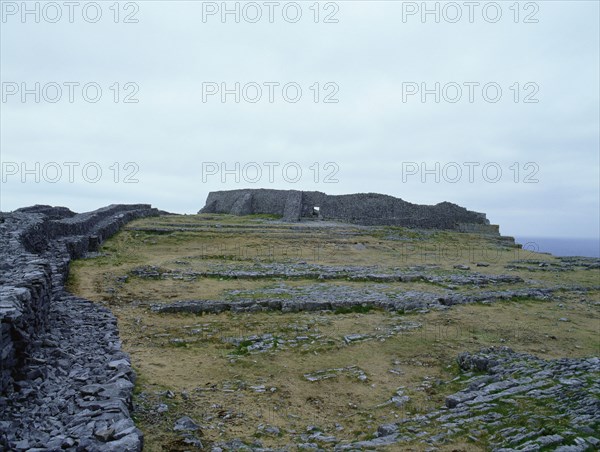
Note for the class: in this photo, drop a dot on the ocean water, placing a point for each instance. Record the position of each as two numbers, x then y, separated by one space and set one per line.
560 246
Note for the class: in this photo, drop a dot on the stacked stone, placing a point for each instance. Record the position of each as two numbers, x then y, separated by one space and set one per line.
359 208
25 292
47 335
75 389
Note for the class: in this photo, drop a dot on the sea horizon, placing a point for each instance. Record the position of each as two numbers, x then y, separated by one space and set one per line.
562 246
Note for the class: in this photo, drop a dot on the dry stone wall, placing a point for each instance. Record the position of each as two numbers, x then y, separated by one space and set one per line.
360 208
64 381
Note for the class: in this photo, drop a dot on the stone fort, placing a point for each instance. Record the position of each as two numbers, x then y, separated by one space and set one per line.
359 208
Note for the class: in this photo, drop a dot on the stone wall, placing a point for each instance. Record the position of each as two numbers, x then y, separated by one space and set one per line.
37 245
361 208
479 228
246 202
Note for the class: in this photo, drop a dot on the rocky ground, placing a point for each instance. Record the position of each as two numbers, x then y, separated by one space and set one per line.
513 401
558 400
246 350
77 390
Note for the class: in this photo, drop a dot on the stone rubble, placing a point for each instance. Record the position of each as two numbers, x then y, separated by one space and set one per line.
510 401
77 387
268 342
502 399
343 297
326 272
320 297
325 374
65 384
564 264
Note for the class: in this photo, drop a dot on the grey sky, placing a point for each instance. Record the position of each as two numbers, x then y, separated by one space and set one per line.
373 137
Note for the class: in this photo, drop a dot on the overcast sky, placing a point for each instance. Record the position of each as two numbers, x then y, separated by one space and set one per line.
490 106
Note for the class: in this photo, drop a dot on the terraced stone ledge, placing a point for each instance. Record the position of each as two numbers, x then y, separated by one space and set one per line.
326 272
335 300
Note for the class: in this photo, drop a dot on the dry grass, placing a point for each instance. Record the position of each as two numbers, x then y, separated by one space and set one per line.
212 379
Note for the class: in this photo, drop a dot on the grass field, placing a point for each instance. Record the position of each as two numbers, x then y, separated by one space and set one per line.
248 375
